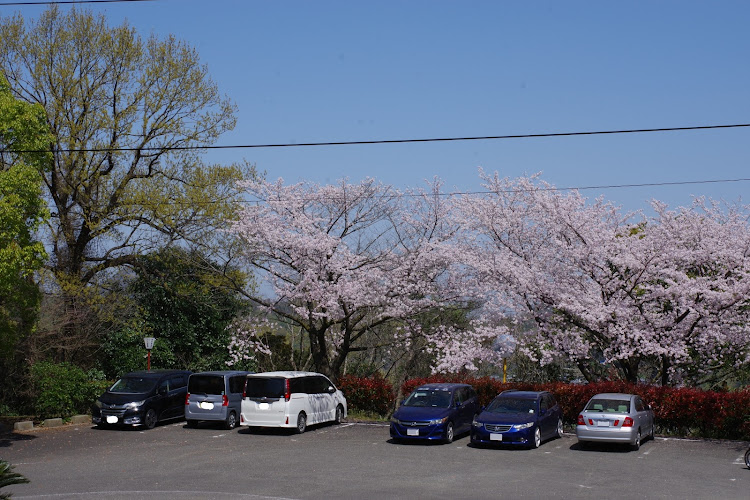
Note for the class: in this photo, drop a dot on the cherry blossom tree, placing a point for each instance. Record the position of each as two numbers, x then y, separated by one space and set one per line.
603 286
345 259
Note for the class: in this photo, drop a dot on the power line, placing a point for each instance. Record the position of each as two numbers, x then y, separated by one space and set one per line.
62 2
394 141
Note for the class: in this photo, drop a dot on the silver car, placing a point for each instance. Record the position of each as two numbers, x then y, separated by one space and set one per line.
615 418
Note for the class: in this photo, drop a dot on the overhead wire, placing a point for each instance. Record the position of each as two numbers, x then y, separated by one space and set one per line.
386 141
64 2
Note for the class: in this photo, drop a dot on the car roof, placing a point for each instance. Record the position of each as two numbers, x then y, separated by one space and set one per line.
613 395
156 373
284 374
223 372
442 386
522 394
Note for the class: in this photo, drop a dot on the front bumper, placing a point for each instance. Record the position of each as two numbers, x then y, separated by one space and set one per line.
118 416
512 436
419 431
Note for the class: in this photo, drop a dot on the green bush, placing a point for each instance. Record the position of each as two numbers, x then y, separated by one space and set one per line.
63 389
8 477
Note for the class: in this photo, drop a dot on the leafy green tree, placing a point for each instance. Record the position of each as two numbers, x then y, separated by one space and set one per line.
125 114
186 305
22 211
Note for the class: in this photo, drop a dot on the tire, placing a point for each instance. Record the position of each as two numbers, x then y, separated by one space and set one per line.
149 421
449 433
339 415
191 423
301 422
537 438
651 434
231 422
637 444
747 458
559 433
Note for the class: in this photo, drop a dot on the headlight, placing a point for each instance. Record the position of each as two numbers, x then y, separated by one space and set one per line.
395 420
476 424
135 404
438 421
518 427
98 403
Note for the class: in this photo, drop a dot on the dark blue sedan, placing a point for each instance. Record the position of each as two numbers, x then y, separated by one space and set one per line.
524 418
436 412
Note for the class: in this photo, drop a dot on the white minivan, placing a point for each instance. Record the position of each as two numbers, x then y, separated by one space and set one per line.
291 399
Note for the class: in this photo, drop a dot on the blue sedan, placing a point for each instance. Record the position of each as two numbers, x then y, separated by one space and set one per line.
524 418
435 412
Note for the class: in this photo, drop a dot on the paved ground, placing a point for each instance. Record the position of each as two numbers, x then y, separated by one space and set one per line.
357 460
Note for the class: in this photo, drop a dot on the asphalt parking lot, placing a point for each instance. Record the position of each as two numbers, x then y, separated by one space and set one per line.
357 460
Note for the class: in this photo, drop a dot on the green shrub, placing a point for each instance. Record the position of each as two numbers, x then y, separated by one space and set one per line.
63 389
8 477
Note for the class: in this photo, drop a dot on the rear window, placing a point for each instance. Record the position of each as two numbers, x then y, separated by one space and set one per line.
206 384
259 387
609 405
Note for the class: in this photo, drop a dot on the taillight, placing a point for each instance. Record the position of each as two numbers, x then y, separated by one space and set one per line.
187 397
244 390
224 400
287 392
580 420
591 422
628 422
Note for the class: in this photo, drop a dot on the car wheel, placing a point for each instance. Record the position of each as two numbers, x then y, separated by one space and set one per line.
637 443
559 428
149 421
651 434
191 423
301 422
449 433
339 415
747 458
231 422
537 438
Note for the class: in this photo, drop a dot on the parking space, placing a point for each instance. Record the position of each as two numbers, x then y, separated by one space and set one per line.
358 460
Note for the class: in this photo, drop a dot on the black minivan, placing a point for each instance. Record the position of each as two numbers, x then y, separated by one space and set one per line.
142 398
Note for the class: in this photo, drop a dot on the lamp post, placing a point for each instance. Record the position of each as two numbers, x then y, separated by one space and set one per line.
149 342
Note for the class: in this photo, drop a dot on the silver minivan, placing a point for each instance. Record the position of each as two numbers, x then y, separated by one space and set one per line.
215 396
291 399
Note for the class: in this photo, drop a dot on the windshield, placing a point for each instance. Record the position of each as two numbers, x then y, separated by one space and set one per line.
133 385
206 384
258 387
431 398
609 405
512 405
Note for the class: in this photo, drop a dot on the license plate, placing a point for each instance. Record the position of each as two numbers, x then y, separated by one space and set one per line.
412 432
602 423
496 437
206 405
263 406
111 420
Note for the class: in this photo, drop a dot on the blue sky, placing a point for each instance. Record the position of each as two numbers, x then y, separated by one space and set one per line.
303 71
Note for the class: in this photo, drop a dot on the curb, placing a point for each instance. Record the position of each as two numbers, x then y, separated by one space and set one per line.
28 425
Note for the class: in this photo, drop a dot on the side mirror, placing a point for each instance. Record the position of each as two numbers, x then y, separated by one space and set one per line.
331 389
162 390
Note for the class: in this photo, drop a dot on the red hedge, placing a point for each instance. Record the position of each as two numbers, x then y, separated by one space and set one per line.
678 411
